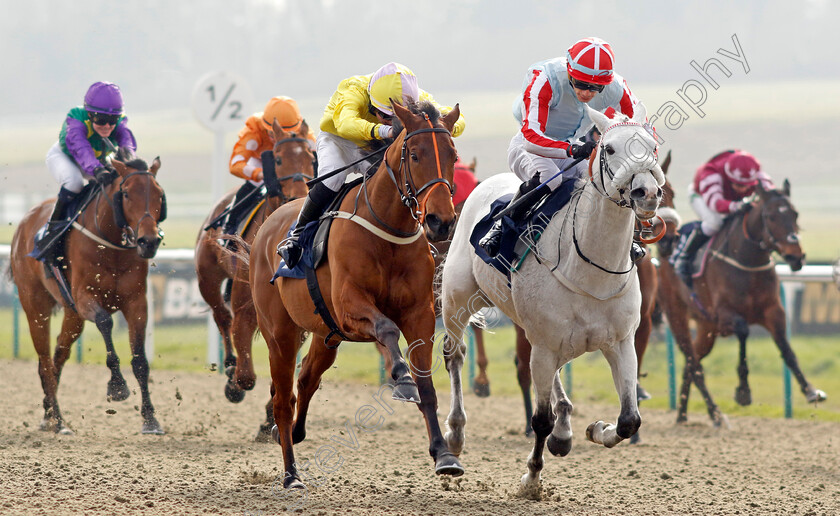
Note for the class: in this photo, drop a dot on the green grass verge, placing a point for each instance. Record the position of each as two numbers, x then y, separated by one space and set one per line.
183 348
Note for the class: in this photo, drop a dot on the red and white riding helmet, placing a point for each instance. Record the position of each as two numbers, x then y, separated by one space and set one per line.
742 168
591 60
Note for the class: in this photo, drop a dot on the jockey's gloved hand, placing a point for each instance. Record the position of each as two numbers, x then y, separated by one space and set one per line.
581 151
739 206
105 175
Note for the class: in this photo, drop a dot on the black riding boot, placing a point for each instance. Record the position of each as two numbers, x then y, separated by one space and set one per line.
492 241
57 222
637 252
235 214
685 255
313 207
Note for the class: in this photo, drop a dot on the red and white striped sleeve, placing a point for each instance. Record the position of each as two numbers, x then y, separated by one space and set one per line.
710 188
537 97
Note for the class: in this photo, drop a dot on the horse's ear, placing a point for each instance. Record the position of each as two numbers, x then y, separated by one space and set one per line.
667 163
155 166
119 166
451 118
786 188
402 113
640 113
473 164
599 119
279 134
304 129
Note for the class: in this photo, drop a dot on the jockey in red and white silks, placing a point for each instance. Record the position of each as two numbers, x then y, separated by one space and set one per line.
552 117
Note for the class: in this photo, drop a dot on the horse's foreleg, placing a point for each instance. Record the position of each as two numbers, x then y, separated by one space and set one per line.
117 388
622 360
544 365
743 395
560 440
774 321
454 351
282 359
136 314
211 277
244 326
522 360
481 383
264 432
313 366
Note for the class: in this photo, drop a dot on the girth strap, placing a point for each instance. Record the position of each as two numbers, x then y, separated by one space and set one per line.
321 307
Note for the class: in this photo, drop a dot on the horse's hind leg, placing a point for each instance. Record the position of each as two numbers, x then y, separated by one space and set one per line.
264 432
454 351
481 383
37 306
544 365
313 366
244 326
774 321
522 361
210 279
71 328
622 359
117 388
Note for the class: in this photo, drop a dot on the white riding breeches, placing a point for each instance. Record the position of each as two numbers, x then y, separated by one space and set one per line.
710 220
527 164
64 169
335 152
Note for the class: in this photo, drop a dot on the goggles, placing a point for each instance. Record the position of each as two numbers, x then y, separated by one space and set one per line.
586 86
103 119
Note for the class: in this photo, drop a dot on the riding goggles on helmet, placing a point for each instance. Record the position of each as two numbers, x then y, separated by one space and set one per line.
103 119
586 86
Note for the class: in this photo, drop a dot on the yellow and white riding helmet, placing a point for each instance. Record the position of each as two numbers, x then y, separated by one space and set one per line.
392 81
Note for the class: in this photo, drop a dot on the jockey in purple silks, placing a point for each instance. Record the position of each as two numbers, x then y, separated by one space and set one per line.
81 152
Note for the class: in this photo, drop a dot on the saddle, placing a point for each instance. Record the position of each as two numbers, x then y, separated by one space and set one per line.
701 257
514 249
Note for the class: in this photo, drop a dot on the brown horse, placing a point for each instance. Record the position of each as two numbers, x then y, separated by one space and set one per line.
376 281
738 287
238 323
106 261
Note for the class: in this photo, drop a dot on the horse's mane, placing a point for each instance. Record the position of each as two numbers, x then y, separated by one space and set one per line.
130 160
418 108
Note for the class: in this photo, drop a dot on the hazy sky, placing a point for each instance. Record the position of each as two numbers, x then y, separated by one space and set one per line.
156 50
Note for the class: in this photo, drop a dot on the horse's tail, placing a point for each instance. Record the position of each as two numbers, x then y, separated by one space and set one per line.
9 274
241 251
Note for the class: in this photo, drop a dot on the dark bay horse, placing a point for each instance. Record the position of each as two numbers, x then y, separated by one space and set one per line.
738 287
238 322
106 262
376 281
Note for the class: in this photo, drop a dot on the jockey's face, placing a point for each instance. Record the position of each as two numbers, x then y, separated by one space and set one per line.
585 91
742 190
585 95
104 130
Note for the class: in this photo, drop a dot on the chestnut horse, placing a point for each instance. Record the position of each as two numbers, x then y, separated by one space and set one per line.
237 323
737 287
376 281
106 261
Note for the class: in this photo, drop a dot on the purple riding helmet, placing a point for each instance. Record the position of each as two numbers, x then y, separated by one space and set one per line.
104 97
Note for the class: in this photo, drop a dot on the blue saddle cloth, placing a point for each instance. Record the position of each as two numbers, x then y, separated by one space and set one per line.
306 259
530 227
683 233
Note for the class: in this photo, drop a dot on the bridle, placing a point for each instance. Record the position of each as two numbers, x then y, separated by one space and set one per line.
298 176
129 235
408 190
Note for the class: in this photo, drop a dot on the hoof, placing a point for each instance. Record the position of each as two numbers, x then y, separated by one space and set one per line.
233 393
743 397
447 464
264 433
406 390
152 427
118 391
291 482
229 370
591 428
560 447
721 421
635 439
298 433
642 394
529 432
482 390
275 434
816 396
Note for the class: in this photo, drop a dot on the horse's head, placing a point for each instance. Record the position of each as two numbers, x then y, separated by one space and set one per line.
295 163
139 204
779 220
425 155
626 161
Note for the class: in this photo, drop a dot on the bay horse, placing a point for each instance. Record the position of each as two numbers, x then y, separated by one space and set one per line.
106 262
376 281
738 286
567 302
238 322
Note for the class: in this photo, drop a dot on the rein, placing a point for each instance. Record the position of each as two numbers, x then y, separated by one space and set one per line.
298 176
129 236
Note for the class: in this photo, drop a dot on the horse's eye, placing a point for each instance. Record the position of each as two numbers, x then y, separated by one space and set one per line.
609 150
414 157
278 160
